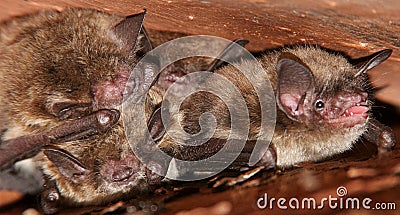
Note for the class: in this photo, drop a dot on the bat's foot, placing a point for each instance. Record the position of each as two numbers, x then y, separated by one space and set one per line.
381 135
268 160
155 172
50 197
386 142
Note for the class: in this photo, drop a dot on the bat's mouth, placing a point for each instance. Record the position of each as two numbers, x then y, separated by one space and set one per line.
351 116
358 110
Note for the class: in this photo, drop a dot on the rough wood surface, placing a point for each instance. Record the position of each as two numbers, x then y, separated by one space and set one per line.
355 27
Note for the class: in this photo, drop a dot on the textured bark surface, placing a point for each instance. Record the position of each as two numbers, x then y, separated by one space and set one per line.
354 27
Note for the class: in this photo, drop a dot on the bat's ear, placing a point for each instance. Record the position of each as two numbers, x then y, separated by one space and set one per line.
143 77
131 34
144 42
295 86
67 164
232 52
373 60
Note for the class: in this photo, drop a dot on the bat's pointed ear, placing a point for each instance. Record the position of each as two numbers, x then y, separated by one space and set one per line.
131 34
373 60
295 86
143 77
232 52
67 164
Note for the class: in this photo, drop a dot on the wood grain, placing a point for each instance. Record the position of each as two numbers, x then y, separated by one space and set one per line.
355 27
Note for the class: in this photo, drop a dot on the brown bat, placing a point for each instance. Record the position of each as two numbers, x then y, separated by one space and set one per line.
175 73
64 81
63 78
323 107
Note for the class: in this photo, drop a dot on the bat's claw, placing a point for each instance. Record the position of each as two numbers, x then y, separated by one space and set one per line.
268 160
50 197
106 119
381 135
387 140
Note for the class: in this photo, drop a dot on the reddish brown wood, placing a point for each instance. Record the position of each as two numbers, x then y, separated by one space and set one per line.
355 27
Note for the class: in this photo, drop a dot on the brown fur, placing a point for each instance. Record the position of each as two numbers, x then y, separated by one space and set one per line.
53 57
293 141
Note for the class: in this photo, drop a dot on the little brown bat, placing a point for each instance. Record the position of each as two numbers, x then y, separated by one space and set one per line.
323 107
175 72
63 77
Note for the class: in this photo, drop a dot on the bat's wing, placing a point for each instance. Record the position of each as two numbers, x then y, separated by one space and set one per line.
26 146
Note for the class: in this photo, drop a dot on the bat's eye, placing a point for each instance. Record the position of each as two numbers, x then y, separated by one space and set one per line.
319 104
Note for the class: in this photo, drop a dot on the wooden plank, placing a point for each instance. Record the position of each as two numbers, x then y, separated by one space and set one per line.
355 27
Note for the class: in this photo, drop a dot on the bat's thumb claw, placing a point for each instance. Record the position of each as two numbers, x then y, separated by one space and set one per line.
107 118
388 140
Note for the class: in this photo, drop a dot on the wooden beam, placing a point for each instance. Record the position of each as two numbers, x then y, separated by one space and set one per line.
355 27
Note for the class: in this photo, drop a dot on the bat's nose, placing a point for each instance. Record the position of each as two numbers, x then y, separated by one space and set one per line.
352 97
